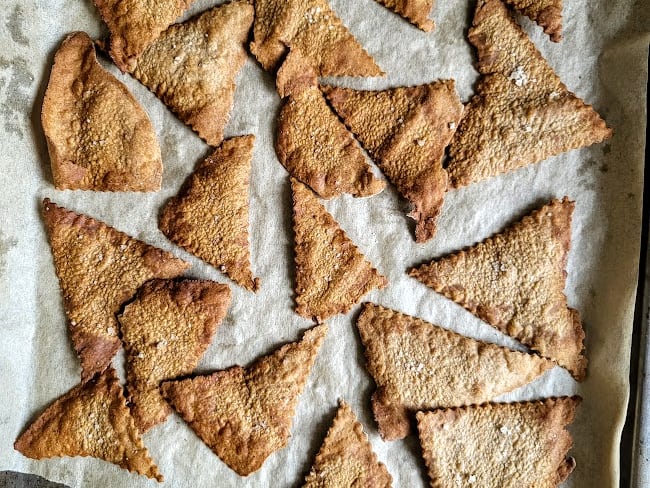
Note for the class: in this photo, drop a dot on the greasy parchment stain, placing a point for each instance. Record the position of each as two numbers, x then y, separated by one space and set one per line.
15 26
16 80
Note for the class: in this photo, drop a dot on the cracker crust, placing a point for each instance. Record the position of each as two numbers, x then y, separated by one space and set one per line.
415 11
547 13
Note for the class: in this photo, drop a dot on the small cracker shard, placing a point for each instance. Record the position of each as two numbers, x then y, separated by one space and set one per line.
312 143
331 273
547 13
165 331
192 66
522 112
504 445
92 419
312 27
99 269
417 365
515 281
405 130
244 414
346 459
209 217
98 136
415 11
134 24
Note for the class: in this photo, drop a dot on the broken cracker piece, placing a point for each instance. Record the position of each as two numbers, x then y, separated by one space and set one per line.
547 13
415 11
98 136
92 419
99 269
515 282
166 330
192 66
209 216
244 414
499 445
331 273
417 365
405 130
346 459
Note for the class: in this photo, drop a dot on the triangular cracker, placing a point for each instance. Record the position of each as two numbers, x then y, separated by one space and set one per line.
134 24
209 216
417 365
98 135
192 66
166 330
522 112
92 419
346 459
547 13
405 130
331 273
515 445
99 268
312 27
415 11
244 414
515 282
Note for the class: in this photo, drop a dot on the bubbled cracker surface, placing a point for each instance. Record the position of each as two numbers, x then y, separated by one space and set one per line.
547 13
415 11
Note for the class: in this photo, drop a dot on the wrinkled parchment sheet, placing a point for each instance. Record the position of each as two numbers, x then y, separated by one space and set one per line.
602 59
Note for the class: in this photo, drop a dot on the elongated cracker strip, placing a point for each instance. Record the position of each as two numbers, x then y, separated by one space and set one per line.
547 13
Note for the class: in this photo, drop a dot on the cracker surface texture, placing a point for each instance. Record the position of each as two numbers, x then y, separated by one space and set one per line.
516 445
415 11
209 216
165 331
244 414
99 269
92 419
547 13
417 365
98 136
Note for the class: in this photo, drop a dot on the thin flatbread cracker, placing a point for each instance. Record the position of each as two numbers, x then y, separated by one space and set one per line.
209 216
406 130
515 282
165 331
417 365
346 459
92 419
547 13
98 136
522 113
331 273
134 24
415 11
99 269
506 445
192 66
244 414
312 27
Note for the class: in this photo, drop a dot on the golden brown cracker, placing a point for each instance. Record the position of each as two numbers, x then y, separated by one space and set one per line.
165 331
92 419
98 136
415 11
244 414
417 365
499 445
331 273
547 13
406 130
99 269
192 66
515 282
209 216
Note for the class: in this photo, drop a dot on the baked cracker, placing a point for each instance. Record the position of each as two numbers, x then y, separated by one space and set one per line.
192 66
244 414
331 273
134 24
346 459
99 269
92 419
405 130
506 445
312 27
522 113
165 331
547 13
209 216
98 136
415 11
515 281
417 365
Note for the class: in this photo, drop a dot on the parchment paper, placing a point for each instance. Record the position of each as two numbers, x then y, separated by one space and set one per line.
602 59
